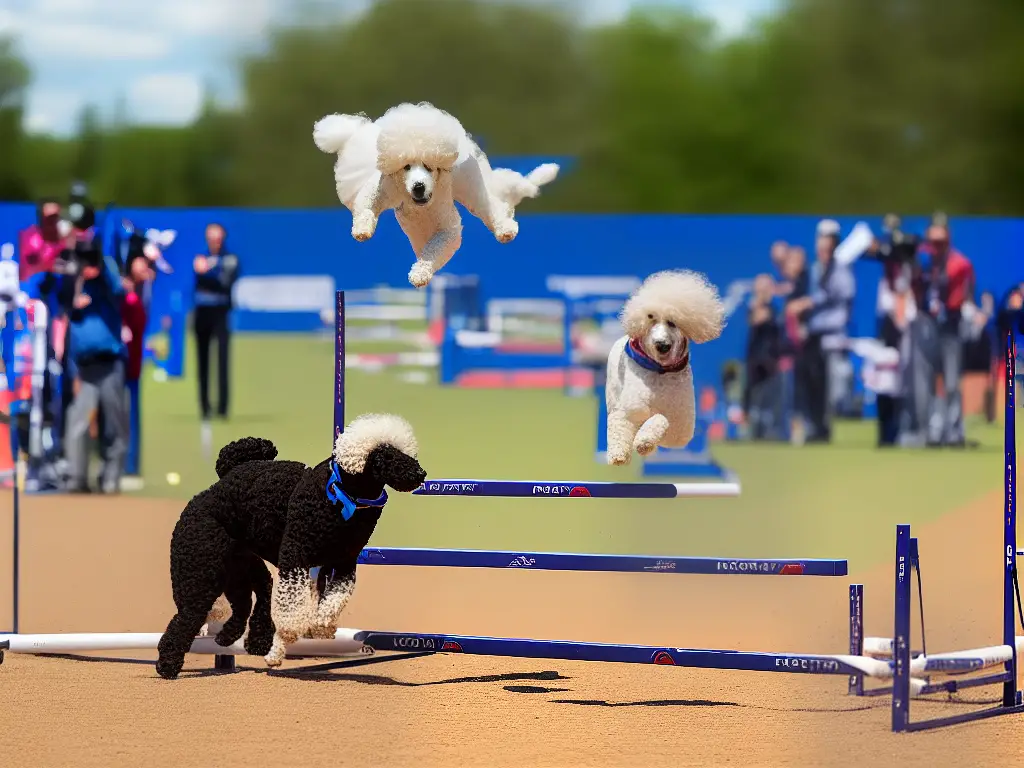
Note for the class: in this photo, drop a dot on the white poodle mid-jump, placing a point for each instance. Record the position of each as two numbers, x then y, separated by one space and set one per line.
419 160
649 390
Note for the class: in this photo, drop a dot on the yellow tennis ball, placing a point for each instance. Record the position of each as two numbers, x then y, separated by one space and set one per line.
173 478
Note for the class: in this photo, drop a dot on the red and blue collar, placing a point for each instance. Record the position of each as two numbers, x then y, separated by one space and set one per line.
635 352
349 505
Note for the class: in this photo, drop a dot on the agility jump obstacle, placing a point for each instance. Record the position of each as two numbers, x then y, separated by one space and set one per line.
912 670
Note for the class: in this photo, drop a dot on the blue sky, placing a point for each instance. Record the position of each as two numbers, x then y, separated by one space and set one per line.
155 57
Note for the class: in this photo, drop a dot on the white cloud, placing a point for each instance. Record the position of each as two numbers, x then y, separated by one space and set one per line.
96 42
165 99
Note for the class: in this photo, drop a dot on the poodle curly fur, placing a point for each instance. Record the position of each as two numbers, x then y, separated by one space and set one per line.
651 408
379 161
263 510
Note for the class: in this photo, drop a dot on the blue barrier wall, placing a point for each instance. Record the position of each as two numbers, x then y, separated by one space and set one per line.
727 248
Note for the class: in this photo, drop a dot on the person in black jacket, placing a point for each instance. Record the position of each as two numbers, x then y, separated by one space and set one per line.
764 392
216 272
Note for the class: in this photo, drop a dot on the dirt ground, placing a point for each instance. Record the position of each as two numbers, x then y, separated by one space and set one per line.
101 565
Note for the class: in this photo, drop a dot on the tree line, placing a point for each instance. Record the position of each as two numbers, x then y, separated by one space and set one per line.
839 106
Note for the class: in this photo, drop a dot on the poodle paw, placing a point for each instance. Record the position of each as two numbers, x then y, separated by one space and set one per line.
618 458
229 634
259 645
645 447
506 233
279 648
363 227
420 274
169 670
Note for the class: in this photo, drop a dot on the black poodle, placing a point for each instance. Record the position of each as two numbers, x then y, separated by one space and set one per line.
293 516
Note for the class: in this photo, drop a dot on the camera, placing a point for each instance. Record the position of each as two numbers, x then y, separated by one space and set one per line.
81 212
897 245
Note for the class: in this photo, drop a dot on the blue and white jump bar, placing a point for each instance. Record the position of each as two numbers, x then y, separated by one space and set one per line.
751 661
563 561
564 489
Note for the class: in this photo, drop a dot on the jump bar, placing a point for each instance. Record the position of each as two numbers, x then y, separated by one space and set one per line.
343 644
623 654
574 489
561 561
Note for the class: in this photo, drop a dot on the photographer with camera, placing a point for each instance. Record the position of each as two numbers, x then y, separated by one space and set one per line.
92 290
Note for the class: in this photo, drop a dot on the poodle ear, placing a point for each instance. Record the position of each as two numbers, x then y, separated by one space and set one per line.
369 431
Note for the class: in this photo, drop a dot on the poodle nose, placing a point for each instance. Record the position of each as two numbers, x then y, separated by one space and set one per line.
662 346
418 189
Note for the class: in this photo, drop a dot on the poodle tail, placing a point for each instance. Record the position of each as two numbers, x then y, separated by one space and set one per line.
241 451
331 133
543 174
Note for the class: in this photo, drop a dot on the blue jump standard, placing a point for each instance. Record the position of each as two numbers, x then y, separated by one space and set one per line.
560 561
567 489
623 654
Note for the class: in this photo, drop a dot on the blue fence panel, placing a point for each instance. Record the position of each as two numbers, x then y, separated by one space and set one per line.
728 248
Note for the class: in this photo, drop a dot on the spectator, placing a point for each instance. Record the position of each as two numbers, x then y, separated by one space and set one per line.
96 355
763 394
794 331
216 272
946 288
828 305
41 243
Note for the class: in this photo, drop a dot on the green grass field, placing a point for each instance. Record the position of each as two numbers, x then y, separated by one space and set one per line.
829 501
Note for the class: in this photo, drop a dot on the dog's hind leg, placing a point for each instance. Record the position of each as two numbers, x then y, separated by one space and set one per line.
651 434
333 600
470 188
200 549
261 626
621 433
238 591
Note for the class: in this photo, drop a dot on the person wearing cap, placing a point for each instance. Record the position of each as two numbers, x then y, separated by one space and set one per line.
827 307
945 294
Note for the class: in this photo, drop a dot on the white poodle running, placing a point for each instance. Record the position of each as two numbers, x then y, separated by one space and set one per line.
419 160
649 390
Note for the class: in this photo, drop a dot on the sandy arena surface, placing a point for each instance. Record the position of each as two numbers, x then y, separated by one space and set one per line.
468 711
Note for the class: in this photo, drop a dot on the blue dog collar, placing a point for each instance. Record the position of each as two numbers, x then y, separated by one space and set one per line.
636 353
336 493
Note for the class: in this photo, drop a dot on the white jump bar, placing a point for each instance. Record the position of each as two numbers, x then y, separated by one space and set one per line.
343 644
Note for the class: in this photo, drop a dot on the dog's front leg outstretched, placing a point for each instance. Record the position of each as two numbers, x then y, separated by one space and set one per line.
332 602
292 608
437 252
621 434
371 201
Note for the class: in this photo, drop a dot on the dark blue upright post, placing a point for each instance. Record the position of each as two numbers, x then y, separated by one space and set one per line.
7 338
339 365
856 686
1010 525
901 635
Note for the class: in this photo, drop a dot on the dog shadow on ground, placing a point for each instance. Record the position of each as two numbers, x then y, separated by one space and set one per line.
320 674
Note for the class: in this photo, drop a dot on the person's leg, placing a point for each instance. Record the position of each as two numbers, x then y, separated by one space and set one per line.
952 371
115 420
76 434
817 389
204 331
223 332
133 461
801 379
